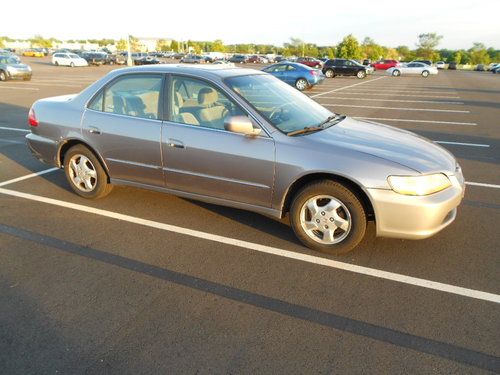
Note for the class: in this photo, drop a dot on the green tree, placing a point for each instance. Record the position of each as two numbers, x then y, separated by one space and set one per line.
349 48
494 54
427 42
2 43
371 50
121 45
218 46
163 45
174 45
41 42
405 54
479 54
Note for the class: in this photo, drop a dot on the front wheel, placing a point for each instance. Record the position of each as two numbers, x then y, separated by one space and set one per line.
85 174
361 74
3 76
327 216
396 73
329 73
301 84
72 65
425 74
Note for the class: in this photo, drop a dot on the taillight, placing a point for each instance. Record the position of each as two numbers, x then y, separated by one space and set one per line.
314 72
32 118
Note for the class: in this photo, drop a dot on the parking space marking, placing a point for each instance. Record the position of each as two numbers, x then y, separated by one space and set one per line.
418 121
390 100
355 92
410 91
395 108
14 129
346 87
481 184
414 281
463 144
19 88
31 175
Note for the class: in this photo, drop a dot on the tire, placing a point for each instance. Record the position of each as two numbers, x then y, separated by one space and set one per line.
301 84
27 79
348 211
329 73
80 158
3 76
72 65
396 73
361 74
56 63
425 73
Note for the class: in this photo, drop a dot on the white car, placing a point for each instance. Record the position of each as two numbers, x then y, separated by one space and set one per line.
68 59
412 68
440 65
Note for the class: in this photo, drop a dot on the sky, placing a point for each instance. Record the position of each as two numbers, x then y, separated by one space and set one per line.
390 23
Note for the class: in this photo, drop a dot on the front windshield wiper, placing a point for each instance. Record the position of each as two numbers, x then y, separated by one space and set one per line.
320 126
307 129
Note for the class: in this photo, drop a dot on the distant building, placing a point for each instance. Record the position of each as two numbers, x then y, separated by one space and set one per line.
150 44
81 46
17 44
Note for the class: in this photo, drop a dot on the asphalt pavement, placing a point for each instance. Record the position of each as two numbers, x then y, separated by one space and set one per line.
147 283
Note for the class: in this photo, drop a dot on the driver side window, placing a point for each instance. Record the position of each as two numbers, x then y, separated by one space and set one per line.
196 102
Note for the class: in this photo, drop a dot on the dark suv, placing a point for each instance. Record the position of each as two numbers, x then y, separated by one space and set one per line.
344 67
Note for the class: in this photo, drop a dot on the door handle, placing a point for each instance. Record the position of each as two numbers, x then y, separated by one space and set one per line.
175 143
94 130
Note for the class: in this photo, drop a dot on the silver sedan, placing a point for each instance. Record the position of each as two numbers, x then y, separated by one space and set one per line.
413 68
245 139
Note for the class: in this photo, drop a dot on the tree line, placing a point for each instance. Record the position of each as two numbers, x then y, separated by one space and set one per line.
349 47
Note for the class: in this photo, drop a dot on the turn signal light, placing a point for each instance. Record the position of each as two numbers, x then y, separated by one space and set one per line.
32 118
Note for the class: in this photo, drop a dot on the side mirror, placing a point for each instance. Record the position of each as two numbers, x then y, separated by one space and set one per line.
241 124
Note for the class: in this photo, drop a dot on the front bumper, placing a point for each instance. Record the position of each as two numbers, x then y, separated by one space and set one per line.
416 217
19 74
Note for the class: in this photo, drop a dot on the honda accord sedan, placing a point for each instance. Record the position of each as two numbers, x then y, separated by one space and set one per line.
245 139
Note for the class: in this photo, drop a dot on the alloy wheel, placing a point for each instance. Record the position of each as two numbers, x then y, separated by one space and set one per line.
82 173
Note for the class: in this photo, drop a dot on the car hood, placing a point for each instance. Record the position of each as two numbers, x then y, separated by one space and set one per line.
389 143
19 66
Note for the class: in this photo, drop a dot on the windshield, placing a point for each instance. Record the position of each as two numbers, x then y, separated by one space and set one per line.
282 105
9 60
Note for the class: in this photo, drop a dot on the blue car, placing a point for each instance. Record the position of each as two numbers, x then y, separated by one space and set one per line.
298 75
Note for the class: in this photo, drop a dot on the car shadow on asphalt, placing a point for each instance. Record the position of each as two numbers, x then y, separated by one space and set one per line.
327 319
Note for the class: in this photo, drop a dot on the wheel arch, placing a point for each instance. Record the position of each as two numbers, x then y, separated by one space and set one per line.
66 145
317 176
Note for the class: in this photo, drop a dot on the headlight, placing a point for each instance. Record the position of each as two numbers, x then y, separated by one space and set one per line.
11 69
419 185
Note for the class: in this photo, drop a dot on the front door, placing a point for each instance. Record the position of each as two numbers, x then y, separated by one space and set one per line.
201 157
123 124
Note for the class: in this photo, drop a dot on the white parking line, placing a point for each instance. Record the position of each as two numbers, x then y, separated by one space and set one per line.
414 281
418 121
364 93
395 108
19 88
463 144
346 87
483 185
390 90
22 178
14 129
389 100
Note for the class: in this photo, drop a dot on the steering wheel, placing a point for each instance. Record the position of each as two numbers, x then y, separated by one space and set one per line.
277 113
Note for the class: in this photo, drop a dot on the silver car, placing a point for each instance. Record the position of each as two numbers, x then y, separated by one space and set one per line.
11 67
413 68
245 139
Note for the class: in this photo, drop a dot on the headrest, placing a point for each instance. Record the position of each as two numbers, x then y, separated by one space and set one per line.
207 96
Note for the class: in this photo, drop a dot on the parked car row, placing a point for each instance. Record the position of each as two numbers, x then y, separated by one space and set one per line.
11 67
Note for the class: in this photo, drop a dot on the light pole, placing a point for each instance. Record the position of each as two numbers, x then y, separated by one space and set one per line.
129 54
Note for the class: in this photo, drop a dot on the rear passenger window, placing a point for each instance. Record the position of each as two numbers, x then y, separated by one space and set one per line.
135 95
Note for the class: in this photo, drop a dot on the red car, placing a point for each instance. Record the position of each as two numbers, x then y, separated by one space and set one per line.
385 64
310 61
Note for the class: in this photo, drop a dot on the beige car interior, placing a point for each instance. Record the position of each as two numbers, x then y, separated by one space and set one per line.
205 110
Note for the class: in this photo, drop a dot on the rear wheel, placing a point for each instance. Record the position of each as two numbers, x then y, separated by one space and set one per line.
396 73
425 74
361 74
327 216
85 174
3 76
72 64
329 73
301 84
56 63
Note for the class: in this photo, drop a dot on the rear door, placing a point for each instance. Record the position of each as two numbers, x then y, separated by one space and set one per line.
123 124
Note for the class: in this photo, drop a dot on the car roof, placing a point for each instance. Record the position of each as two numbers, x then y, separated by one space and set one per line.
209 71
